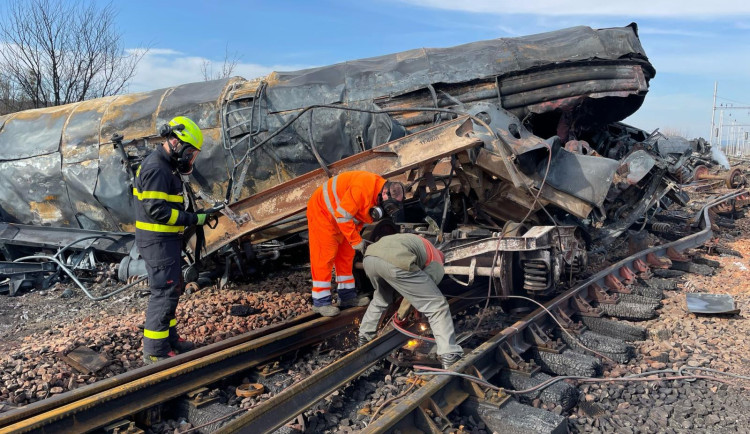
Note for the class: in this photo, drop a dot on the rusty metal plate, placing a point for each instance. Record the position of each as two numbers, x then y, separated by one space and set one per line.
85 360
390 159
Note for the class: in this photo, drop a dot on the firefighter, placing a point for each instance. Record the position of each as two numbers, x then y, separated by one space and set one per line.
412 266
336 212
160 220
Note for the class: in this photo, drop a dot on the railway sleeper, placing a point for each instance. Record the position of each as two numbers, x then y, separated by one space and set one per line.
515 418
692 267
202 415
561 393
629 311
640 299
615 329
662 284
727 251
568 362
705 261
616 349
648 291
668 274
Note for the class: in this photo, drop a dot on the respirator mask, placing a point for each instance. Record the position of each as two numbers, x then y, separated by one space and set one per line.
182 157
390 202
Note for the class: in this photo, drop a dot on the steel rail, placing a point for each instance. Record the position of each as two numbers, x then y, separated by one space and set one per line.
279 409
483 358
126 377
173 378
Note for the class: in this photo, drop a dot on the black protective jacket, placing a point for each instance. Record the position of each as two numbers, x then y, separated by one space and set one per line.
160 203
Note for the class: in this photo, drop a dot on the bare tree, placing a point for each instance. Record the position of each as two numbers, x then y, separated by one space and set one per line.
227 68
58 52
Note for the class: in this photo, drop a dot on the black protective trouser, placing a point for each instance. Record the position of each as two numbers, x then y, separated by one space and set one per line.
163 263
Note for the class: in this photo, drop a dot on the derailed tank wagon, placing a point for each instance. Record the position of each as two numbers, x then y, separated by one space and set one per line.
506 130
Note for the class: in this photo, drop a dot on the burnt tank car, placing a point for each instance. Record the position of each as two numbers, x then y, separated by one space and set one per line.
533 120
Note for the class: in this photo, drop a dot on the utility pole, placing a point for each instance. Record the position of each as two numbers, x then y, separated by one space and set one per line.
721 127
731 143
713 114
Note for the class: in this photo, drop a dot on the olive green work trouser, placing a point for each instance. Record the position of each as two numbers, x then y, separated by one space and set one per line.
420 290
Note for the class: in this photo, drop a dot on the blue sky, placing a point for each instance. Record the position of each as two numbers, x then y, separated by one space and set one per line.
691 43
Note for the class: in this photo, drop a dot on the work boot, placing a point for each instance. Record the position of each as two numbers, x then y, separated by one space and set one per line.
360 300
326 310
448 359
149 359
362 340
182 346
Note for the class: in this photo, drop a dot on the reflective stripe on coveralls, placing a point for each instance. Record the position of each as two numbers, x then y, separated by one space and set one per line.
327 196
169 227
321 289
343 282
335 213
151 334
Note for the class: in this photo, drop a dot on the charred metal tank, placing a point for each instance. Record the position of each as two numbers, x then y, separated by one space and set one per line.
505 130
60 168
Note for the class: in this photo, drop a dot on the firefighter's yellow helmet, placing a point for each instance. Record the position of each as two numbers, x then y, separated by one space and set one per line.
187 131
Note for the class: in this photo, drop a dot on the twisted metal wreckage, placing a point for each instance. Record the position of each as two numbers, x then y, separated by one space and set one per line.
521 130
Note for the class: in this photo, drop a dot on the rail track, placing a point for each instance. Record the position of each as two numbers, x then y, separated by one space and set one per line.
426 409
444 393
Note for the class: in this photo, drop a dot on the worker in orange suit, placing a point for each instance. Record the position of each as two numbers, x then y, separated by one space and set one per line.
336 213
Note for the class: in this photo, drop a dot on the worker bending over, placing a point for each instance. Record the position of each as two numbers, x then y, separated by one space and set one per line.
336 213
412 266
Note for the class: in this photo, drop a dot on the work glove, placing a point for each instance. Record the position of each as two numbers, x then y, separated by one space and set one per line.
207 215
360 247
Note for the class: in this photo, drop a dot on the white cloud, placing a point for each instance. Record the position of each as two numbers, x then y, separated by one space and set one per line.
642 8
164 67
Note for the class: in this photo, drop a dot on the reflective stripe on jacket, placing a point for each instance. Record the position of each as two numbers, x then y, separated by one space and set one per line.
159 204
348 197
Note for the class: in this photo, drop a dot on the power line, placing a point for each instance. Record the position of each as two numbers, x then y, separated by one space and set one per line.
731 100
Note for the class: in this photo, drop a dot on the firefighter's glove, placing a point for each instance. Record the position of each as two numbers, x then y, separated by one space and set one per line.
202 219
360 247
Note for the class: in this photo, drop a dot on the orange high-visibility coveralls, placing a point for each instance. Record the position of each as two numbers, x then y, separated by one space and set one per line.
336 213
